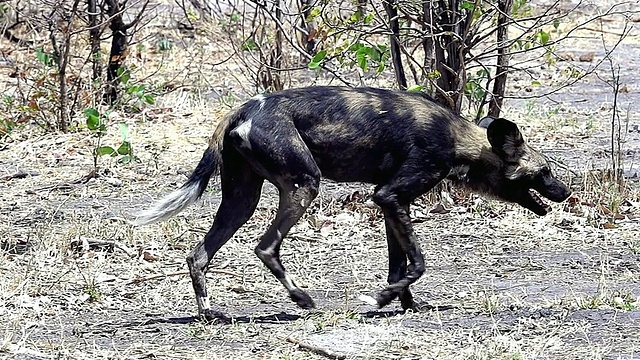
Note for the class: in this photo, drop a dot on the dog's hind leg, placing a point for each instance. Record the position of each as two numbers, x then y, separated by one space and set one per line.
294 200
241 188
289 165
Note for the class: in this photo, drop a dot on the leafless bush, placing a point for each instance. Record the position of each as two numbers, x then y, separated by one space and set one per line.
66 37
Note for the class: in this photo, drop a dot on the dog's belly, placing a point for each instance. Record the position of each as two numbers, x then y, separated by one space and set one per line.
356 166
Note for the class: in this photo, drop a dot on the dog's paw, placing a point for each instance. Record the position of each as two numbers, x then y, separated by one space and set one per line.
385 297
406 301
214 316
410 304
302 299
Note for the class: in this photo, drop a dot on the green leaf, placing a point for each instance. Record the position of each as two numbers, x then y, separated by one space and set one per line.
375 54
517 45
363 50
356 47
315 62
435 74
132 89
319 56
369 18
467 5
362 62
355 16
125 159
313 14
149 99
382 48
93 118
543 37
43 57
124 131
536 83
125 148
124 75
415 88
91 111
249 45
236 17
106 150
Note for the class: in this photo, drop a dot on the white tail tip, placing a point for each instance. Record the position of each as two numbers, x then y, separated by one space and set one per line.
169 205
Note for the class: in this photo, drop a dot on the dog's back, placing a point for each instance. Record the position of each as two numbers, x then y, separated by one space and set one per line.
361 134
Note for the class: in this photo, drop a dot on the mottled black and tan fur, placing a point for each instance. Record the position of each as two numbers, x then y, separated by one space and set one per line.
402 142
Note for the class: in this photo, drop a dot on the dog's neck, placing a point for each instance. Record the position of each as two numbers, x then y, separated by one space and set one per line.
475 166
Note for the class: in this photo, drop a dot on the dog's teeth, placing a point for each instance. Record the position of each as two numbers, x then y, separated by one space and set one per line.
368 299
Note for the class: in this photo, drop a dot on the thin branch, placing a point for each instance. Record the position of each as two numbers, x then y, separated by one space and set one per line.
316 349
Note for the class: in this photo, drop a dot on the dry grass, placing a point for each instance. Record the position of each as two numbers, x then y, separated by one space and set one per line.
76 281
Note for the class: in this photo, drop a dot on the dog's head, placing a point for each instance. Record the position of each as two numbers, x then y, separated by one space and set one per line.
525 172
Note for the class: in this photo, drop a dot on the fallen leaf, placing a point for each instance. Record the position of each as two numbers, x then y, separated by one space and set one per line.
148 256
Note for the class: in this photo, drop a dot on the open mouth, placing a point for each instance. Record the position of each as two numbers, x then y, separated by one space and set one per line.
536 204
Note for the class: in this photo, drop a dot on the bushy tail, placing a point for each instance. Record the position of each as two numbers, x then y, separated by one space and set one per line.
188 193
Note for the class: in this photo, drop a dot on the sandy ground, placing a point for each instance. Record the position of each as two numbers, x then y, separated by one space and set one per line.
76 281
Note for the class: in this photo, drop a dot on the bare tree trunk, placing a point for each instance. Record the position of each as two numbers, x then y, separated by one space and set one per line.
276 55
308 39
448 63
119 44
427 41
94 38
61 56
398 68
502 35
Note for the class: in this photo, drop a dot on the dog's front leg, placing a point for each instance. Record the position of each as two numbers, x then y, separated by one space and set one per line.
394 198
400 225
398 263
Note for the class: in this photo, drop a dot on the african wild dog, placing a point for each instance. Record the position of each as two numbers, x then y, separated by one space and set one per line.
403 142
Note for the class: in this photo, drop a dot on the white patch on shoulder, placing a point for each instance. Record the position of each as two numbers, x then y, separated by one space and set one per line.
243 132
259 98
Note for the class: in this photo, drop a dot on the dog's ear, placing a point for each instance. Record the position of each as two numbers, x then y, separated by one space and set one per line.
485 121
505 138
